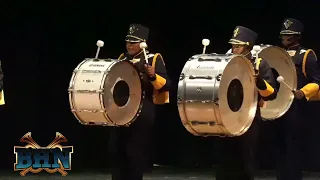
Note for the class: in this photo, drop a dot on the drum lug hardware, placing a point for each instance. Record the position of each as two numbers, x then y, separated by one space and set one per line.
200 77
211 123
87 91
216 101
206 101
108 60
199 89
218 78
182 76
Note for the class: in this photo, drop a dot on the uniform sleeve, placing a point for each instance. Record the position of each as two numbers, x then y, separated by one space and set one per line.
1 78
161 81
266 82
313 75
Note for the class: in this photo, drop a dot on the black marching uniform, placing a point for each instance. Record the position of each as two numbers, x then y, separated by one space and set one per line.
237 154
1 86
288 127
133 143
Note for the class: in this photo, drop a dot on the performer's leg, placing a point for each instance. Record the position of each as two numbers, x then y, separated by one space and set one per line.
248 146
292 169
138 143
118 154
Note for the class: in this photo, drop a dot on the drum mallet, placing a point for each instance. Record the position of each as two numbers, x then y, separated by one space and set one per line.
280 79
256 50
99 44
143 46
205 43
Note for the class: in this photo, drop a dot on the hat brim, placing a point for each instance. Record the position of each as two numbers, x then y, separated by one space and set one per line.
288 32
130 38
133 40
237 42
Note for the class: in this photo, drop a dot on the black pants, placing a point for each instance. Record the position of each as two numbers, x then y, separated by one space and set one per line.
236 155
288 142
132 146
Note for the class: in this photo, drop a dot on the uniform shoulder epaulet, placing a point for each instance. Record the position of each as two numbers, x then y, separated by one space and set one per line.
150 55
302 51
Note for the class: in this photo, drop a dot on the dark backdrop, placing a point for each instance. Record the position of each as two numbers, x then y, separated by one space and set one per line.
41 44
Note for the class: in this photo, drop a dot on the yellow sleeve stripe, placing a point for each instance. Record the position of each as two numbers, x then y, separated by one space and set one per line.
2 102
121 55
159 82
161 98
310 90
268 91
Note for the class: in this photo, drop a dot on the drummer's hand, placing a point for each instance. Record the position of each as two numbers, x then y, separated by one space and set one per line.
150 70
298 94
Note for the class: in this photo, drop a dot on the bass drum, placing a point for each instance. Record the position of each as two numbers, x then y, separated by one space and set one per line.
217 95
282 65
106 92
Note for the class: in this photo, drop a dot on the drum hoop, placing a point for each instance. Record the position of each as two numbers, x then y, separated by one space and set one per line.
142 94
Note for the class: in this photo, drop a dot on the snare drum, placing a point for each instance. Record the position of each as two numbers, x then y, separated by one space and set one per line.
217 95
106 92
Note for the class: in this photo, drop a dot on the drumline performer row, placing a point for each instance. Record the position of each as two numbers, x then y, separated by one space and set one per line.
217 95
100 93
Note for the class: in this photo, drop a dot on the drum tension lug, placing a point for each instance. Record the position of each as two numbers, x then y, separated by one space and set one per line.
216 101
218 78
182 76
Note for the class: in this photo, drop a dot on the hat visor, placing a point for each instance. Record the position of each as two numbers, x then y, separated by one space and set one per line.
132 39
237 42
288 32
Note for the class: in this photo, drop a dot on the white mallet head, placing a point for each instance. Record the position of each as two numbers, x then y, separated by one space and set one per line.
280 79
100 43
205 42
256 48
143 45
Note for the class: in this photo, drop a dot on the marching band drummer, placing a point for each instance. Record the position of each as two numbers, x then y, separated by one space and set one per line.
288 127
236 154
133 144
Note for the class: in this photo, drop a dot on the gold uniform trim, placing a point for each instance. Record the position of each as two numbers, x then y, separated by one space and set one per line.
138 39
267 92
235 41
162 97
311 90
288 32
2 102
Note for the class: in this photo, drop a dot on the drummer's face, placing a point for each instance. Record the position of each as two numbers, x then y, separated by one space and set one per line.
133 48
238 49
288 40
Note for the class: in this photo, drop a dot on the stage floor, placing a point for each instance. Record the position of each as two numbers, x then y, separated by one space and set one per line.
158 174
